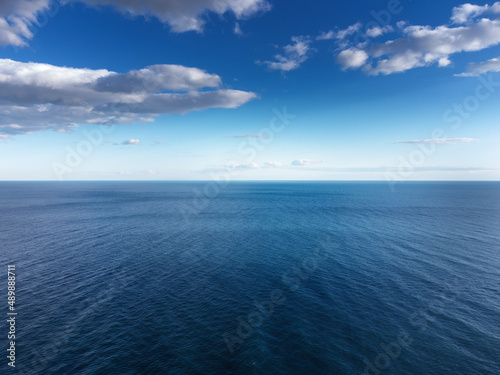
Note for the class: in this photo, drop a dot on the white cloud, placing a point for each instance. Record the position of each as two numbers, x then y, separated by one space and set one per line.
157 78
377 31
37 96
305 162
17 16
354 29
476 69
301 162
422 46
184 15
237 29
466 12
273 164
295 54
326 35
440 140
351 30
352 58
131 142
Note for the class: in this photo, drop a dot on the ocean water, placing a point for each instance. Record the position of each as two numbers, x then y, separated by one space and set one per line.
259 278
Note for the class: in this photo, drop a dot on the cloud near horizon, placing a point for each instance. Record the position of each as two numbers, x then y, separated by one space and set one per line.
441 141
248 136
35 96
305 162
131 142
18 16
240 167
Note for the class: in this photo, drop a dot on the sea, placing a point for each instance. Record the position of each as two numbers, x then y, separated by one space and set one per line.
129 278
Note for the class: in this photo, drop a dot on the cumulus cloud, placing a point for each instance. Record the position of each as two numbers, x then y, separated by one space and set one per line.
18 16
466 12
476 69
377 31
352 58
440 140
35 96
422 46
294 55
131 142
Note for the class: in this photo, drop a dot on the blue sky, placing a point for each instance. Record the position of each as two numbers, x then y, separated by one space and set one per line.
249 90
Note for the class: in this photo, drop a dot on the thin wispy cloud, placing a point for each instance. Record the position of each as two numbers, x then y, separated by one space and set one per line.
130 142
440 141
237 29
476 69
305 162
356 29
327 35
248 136
295 54
16 19
240 167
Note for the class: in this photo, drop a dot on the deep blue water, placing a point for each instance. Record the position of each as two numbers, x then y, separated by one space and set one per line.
149 278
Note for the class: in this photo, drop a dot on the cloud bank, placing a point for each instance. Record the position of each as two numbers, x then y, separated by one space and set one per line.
35 96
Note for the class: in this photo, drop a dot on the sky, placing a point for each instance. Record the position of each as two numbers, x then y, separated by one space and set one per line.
389 90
